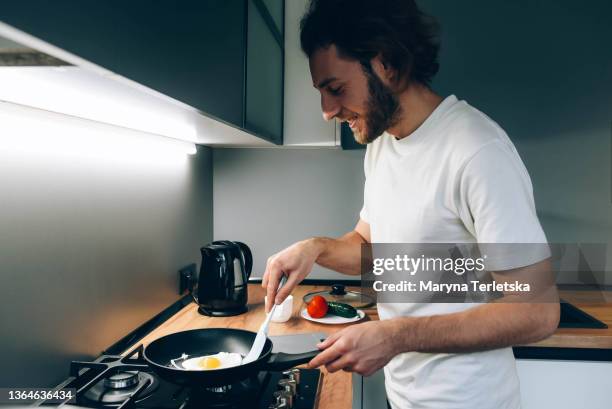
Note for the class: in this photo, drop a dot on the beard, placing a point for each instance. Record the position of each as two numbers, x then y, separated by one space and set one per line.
382 108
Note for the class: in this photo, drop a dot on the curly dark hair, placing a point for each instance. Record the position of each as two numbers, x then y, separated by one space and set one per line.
406 38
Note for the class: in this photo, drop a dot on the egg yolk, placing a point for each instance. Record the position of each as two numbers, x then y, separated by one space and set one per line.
209 363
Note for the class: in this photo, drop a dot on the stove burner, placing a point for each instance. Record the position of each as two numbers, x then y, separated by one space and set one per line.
121 380
237 395
118 387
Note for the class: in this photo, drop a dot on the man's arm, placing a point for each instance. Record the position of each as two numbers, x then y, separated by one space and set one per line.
296 261
344 254
515 319
488 326
367 347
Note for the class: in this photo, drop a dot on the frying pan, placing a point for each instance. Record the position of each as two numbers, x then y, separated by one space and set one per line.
160 352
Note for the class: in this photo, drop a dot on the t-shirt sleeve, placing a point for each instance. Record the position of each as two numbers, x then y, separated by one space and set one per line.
497 199
363 214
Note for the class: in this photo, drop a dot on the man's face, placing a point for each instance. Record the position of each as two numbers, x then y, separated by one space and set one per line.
350 94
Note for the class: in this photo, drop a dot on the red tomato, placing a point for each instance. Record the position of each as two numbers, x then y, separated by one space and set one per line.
317 307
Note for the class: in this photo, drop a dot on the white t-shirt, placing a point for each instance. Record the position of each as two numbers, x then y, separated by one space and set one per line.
456 179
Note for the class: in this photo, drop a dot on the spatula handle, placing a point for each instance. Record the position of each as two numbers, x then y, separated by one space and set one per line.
266 322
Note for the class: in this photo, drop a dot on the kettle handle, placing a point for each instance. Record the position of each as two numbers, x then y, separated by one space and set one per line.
248 257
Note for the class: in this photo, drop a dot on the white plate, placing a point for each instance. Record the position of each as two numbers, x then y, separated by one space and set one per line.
332 319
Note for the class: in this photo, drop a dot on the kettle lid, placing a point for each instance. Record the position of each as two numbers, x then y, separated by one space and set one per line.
218 245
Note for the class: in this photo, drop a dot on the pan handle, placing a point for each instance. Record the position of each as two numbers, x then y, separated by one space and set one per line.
281 361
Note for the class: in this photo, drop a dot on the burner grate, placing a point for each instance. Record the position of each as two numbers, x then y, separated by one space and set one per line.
86 374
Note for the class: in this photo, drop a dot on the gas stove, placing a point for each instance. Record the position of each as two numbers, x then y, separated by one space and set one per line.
113 381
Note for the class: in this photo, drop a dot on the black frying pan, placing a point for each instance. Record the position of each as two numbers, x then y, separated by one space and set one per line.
211 341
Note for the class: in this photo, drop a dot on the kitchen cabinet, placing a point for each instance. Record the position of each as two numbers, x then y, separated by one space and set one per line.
564 384
224 58
347 140
264 68
303 121
544 384
369 391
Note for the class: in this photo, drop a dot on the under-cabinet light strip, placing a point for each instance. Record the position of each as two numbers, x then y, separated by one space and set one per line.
26 128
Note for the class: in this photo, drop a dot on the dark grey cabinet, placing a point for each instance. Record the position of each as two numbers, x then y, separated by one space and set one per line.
222 57
347 139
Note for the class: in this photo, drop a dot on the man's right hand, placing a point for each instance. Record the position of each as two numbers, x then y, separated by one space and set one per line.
295 262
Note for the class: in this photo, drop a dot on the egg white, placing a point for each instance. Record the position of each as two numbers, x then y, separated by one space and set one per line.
227 359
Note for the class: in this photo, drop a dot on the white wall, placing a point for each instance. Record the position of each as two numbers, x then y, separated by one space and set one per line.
90 243
271 198
543 71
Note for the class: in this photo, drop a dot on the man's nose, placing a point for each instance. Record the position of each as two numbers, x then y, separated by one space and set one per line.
330 107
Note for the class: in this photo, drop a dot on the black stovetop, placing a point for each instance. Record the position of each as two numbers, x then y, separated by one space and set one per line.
127 382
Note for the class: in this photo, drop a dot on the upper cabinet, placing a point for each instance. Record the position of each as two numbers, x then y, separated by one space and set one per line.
304 124
223 58
264 68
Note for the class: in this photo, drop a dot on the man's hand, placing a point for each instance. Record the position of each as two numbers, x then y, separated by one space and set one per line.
295 262
362 348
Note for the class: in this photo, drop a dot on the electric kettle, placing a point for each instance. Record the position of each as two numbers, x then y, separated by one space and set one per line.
222 283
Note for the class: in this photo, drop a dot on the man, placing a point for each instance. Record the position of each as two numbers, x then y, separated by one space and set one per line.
437 170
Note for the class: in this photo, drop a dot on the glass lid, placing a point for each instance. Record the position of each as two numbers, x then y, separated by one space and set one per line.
339 293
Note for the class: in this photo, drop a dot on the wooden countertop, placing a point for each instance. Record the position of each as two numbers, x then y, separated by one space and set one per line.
595 303
336 390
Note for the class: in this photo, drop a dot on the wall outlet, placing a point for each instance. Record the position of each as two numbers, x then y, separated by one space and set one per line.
187 278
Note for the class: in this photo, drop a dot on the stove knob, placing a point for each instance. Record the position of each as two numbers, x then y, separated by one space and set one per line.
281 403
286 395
293 374
288 385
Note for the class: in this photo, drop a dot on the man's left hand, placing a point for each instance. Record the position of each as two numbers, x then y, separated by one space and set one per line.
362 348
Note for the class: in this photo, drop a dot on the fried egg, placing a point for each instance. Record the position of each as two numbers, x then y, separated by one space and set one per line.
208 362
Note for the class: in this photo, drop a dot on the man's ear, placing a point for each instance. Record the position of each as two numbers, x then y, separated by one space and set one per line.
384 70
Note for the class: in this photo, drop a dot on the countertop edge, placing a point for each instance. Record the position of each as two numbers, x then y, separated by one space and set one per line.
562 353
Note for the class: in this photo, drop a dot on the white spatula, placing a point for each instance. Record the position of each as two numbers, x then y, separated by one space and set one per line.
262 334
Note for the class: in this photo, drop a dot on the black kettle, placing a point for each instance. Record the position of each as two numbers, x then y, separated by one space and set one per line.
222 284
